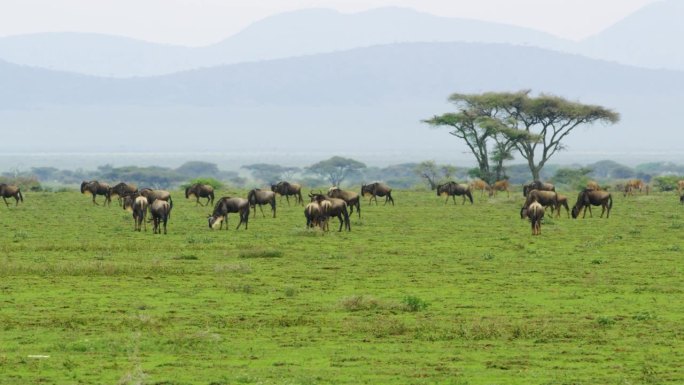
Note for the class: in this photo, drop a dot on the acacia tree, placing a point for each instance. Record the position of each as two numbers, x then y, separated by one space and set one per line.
534 126
479 122
336 169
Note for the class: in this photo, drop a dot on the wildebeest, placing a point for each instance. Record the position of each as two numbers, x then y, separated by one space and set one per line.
632 186
336 208
544 198
313 212
200 191
262 197
227 205
121 190
538 185
352 199
681 199
562 202
588 198
535 212
96 188
680 186
285 189
500 185
138 205
482 186
160 210
7 191
153 195
452 189
377 189
593 185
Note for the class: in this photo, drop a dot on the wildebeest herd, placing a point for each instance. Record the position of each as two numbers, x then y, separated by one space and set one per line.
539 196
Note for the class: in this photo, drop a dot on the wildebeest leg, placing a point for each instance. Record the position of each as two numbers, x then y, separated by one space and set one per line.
262 210
166 219
273 208
94 195
463 199
5 199
339 216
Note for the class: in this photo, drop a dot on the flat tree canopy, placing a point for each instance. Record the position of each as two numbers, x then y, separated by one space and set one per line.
534 126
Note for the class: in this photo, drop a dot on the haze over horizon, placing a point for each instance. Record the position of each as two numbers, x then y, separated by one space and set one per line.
276 77
205 22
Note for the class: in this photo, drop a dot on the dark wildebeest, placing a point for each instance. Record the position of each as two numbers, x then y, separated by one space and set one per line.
500 185
452 189
200 191
121 190
377 189
482 186
153 195
336 208
535 212
7 191
538 185
681 199
96 188
262 197
138 205
352 199
160 210
285 189
227 205
588 198
544 198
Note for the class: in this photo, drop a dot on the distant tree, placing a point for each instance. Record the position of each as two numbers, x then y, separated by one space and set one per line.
534 126
336 169
270 173
433 173
195 169
577 178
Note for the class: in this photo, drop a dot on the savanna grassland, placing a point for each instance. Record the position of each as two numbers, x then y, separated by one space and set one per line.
419 293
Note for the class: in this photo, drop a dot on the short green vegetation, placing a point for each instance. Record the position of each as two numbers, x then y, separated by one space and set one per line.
418 293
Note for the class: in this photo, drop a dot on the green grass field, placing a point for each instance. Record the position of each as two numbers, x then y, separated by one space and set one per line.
419 293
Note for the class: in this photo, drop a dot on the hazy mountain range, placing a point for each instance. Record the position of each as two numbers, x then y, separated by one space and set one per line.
321 81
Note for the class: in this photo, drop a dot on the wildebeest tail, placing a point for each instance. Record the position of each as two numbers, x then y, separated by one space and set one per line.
21 197
610 201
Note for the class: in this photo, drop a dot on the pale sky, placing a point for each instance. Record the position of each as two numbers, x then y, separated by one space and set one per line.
202 22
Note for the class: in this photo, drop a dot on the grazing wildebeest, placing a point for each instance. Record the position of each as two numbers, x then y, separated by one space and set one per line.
96 188
153 195
7 191
544 198
121 190
538 185
227 205
262 197
336 208
632 186
352 199
588 198
377 189
482 186
138 205
680 186
500 185
452 189
160 210
535 212
200 191
286 189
